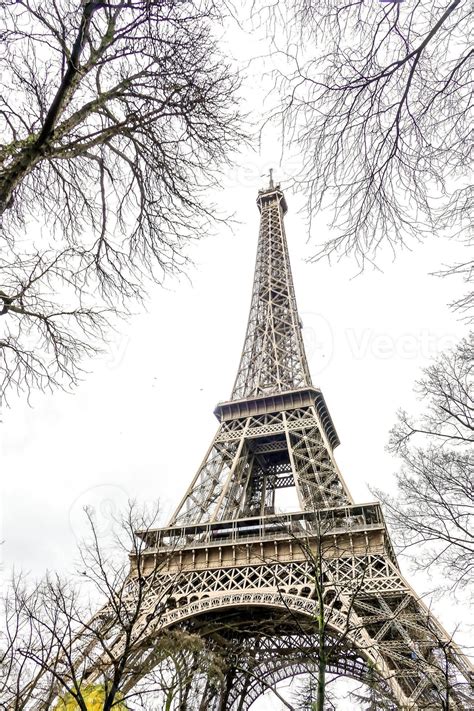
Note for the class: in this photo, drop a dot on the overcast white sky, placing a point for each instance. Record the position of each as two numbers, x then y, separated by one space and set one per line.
139 424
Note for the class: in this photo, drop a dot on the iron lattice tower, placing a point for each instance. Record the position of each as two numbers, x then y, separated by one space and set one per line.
252 580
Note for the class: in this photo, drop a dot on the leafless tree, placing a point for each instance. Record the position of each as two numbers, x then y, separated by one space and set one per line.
451 684
189 668
68 642
433 513
377 96
369 698
115 118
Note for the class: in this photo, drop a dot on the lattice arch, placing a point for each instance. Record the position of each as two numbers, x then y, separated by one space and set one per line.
274 601
244 695
360 652
296 614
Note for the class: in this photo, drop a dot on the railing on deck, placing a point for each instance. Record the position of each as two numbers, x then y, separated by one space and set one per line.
324 522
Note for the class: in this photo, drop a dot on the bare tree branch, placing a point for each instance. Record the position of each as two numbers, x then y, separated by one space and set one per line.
432 515
377 99
55 632
116 118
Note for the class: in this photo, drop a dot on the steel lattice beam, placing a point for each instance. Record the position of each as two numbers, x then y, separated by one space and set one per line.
231 563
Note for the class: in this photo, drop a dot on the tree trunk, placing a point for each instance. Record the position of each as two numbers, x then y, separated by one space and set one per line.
229 678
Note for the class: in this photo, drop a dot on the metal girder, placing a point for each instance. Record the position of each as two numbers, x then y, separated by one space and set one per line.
273 357
232 566
247 450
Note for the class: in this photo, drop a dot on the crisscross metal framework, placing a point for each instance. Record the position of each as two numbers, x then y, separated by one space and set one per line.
273 357
238 572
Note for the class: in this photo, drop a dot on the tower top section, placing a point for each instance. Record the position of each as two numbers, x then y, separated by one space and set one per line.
270 194
273 359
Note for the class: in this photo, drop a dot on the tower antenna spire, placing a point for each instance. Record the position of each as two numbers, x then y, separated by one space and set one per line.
271 178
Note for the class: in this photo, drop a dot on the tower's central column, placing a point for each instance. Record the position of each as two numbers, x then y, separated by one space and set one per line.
273 358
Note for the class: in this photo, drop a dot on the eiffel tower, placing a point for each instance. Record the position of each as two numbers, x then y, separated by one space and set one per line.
242 575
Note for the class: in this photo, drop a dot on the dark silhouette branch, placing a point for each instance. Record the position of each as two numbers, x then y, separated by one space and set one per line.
110 140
